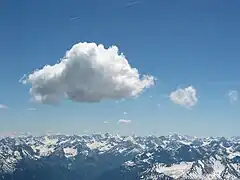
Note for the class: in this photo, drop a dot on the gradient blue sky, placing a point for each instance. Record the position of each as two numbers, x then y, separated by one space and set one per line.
181 43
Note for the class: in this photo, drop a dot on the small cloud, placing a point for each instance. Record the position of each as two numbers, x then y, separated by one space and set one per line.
75 18
124 121
158 105
150 96
125 113
2 106
132 3
87 73
185 97
105 122
9 134
86 131
233 96
31 109
120 101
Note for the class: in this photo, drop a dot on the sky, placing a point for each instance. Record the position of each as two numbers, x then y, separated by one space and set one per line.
179 71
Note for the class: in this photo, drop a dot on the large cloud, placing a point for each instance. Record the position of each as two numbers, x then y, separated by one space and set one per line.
87 73
185 97
233 96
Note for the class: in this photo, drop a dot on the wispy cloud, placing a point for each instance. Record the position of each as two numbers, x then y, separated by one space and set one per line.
2 106
233 96
132 3
75 18
125 113
120 101
105 122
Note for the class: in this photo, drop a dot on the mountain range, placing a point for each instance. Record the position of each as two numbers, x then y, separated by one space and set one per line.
108 157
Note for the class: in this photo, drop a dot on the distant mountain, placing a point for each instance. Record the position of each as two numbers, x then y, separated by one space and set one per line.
113 157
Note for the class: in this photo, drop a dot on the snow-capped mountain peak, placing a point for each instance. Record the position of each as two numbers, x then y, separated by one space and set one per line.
150 157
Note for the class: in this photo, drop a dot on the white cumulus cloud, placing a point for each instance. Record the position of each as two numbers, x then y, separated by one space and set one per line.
2 106
233 96
185 97
87 73
124 121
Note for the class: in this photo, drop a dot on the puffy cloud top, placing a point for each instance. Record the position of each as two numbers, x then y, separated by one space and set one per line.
87 73
185 97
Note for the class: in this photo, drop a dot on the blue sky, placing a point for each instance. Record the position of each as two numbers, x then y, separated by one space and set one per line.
182 43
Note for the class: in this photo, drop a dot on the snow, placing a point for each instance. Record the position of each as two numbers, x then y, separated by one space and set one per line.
46 146
70 152
232 155
218 168
106 147
142 146
175 170
149 154
48 141
130 163
17 155
95 145
101 144
130 138
43 150
122 150
185 142
214 163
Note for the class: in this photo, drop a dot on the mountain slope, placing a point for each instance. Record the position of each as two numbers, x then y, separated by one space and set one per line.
106 156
